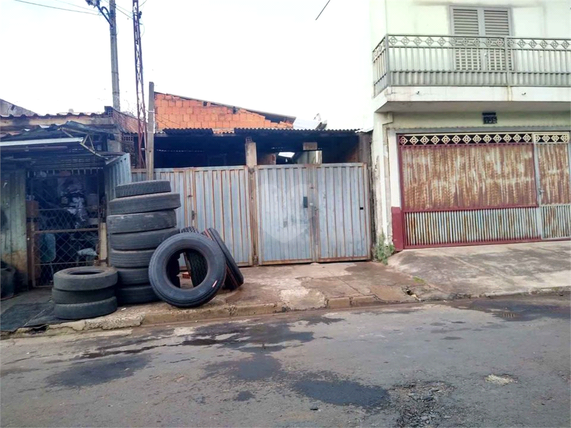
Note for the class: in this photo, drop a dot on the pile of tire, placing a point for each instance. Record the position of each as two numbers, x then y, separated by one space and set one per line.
211 267
84 292
140 218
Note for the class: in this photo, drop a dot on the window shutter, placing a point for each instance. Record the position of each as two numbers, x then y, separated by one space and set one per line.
465 22
496 23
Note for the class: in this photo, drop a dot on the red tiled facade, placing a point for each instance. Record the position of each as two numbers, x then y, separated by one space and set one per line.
173 112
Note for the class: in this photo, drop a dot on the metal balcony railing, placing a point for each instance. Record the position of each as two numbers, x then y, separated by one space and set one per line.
412 60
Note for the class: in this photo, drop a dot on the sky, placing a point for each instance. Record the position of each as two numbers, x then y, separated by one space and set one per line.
268 55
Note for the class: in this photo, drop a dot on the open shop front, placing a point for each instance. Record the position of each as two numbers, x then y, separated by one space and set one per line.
53 204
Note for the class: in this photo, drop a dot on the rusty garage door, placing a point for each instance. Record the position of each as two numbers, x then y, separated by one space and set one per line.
484 188
312 213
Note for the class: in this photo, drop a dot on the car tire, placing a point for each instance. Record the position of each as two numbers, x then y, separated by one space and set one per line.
190 229
140 240
79 311
237 279
201 293
142 188
136 294
141 222
72 297
85 278
130 259
144 203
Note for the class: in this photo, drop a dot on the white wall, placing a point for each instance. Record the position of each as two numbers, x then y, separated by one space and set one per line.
530 18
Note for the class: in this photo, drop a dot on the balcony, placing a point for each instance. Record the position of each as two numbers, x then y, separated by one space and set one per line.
471 61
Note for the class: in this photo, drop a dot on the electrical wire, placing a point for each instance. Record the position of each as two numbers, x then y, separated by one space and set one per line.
74 5
54 7
121 10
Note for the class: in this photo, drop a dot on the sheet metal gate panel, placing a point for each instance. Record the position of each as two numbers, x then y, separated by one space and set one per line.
312 213
484 188
553 165
284 210
343 212
213 197
221 200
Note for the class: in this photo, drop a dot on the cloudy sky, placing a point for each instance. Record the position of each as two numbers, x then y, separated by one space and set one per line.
269 55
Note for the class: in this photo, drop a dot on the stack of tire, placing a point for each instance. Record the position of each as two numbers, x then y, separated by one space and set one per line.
211 267
140 218
84 292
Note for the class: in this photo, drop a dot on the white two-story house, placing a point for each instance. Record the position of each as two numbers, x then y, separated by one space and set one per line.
471 102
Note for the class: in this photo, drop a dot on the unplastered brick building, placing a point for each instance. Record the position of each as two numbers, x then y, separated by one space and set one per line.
176 112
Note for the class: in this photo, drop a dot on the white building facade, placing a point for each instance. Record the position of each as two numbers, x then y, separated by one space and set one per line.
471 121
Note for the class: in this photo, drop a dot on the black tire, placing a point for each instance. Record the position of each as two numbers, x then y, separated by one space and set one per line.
190 297
141 222
140 240
71 297
85 278
85 310
133 276
237 279
190 229
130 259
142 188
138 276
144 203
136 294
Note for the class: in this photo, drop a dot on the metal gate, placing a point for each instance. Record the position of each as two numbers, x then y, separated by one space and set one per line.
312 213
553 163
213 197
484 188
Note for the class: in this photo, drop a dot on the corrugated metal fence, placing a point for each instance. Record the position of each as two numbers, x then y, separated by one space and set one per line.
301 213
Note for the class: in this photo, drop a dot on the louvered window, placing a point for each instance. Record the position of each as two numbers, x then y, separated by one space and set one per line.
483 47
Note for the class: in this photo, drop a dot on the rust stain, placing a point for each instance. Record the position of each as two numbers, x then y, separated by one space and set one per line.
468 177
554 174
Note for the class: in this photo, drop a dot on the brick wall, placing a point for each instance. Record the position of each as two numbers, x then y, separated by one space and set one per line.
172 111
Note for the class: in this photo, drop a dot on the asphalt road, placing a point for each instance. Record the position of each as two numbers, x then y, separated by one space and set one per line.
488 363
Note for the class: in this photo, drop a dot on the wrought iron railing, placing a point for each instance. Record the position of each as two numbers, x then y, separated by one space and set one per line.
400 60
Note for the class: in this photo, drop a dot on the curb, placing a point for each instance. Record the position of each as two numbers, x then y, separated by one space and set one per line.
174 315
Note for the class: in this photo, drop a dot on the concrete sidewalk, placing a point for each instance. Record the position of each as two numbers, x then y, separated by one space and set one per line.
487 270
267 290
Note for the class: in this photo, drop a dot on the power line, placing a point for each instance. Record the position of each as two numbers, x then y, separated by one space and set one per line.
121 10
72 4
54 7
322 10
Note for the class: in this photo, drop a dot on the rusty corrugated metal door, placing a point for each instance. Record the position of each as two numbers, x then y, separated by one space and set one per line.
468 189
343 212
284 214
553 154
221 201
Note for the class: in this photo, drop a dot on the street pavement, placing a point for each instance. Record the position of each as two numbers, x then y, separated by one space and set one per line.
500 362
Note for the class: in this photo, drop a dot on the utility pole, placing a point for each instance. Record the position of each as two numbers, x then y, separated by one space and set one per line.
111 16
140 83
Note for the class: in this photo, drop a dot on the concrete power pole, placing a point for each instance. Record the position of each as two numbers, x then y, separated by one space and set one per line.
111 16
114 56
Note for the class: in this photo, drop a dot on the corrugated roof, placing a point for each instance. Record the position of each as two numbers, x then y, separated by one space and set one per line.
50 115
243 131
